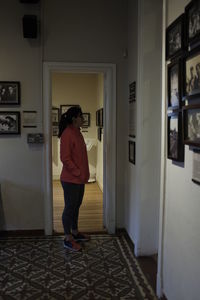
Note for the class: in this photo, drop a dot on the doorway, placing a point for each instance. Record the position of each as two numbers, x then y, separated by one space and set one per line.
86 90
109 144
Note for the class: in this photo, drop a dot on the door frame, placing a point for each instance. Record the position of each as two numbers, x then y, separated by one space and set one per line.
109 147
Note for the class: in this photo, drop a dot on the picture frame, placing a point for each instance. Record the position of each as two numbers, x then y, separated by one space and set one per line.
10 93
86 118
174 74
175 38
101 117
55 115
175 147
191 71
55 130
29 119
191 125
99 129
64 107
192 22
10 122
98 117
131 151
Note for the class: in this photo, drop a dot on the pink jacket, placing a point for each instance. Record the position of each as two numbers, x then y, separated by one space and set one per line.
73 154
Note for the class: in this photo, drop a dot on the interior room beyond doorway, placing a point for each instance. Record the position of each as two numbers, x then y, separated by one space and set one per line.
85 90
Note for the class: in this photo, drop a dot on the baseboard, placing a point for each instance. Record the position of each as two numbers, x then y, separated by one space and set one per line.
4 233
99 185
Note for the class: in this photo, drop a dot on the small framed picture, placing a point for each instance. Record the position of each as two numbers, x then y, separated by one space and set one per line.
192 16
191 125
131 151
101 117
86 118
10 122
175 145
29 119
99 133
55 130
174 85
55 115
98 117
64 107
175 38
9 93
191 81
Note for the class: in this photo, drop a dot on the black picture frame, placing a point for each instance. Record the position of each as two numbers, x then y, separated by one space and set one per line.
191 72
101 117
55 130
86 118
55 115
174 74
98 117
191 125
175 147
131 151
10 93
99 129
192 23
175 35
10 122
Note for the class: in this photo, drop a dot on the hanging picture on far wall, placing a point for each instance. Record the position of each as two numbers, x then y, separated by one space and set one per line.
86 119
191 121
192 13
64 107
9 122
9 93
175 38
174 85
175 145
192 74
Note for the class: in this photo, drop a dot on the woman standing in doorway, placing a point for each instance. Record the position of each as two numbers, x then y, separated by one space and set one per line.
74 175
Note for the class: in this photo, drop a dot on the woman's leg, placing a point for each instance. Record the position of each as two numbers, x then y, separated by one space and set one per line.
81 189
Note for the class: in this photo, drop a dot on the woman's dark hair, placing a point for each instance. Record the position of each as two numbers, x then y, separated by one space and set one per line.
67 118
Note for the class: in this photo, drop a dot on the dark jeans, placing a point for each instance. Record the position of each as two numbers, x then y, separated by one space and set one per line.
73 195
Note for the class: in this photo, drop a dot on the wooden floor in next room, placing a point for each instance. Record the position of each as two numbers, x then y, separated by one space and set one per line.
91 211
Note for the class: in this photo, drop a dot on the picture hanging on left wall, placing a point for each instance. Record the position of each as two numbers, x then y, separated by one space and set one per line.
9 122
9 93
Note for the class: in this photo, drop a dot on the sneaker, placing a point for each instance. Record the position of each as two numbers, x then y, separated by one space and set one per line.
72 245
80 237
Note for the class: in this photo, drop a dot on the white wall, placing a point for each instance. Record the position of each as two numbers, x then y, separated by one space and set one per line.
72 31
21 165
181 267
142 208
82 89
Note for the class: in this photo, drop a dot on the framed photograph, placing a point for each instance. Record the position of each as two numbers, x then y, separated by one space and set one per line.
196 166
191 82
175 144
191 125
175 38
174 85
64 107
98 118
9 93
29 119
131 151
55 130
9 122
99 133
86 118
192 16
55 115
101 117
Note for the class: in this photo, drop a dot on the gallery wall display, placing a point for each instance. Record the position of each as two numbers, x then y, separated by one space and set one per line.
10 122
131 151
29 119
192 18
175 38
175 85
9 92
55 120
191 82
86 119
175 145
191 125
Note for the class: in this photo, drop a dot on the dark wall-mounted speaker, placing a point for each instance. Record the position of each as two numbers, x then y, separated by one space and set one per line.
30 26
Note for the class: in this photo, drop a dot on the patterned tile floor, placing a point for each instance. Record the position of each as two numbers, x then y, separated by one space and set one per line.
40 268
